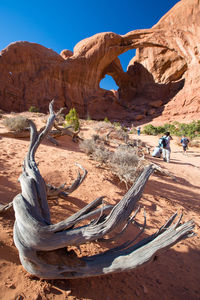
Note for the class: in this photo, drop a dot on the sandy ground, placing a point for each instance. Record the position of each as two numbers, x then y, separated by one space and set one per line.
174 275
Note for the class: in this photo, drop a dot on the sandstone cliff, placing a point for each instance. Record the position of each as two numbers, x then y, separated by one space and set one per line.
161 80
182 29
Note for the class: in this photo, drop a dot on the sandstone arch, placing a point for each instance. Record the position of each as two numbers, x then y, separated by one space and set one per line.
79 74
32 74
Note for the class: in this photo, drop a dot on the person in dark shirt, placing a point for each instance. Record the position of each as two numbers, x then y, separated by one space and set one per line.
184 142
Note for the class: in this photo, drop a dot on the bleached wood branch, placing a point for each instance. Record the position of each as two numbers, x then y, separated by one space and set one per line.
42 245
5 207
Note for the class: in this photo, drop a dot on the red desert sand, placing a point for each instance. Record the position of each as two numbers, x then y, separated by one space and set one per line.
172 275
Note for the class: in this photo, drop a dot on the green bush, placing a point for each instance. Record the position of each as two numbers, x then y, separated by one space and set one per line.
72 119
106 120
117 125
33 109
191 130
150 130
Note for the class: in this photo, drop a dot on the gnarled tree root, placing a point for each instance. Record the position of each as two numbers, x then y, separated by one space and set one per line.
53 192
42 245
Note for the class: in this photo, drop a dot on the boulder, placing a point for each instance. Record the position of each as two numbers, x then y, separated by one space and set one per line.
156 104
139 117
151 112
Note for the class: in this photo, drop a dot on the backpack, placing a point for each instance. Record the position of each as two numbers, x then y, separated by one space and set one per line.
185 141
163 142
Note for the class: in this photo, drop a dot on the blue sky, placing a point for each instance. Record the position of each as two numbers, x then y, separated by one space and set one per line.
62 24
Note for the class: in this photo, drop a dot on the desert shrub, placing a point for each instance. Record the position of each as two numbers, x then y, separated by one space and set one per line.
160 130
117 125
195 143
72 119
133 130
169 127
124 161
112 130
126 164
119 134
127 174
153 130
88 146
101 154
96 137
106 120
33 109
124 128
103 127
125 155
149 130
18 123
137 143
191 130
95 148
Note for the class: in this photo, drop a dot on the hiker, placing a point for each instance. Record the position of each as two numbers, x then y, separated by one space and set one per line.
165 145
157 151
184 142
138 130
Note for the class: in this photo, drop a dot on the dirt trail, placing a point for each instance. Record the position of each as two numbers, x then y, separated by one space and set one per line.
173 275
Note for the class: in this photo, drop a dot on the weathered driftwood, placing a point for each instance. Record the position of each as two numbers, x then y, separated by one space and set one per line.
164 172
53 134
60 130
53 192
62 191
43 246
5 207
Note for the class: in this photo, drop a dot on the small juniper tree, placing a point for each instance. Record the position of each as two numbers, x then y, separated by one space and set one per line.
72 119
33 109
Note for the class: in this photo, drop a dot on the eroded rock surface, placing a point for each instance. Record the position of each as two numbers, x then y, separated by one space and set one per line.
166 68
182 64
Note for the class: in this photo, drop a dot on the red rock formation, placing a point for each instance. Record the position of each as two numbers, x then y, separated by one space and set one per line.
182 30
66 53
166 67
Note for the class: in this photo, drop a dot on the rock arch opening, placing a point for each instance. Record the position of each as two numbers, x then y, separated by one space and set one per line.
108 83
116 69
126 57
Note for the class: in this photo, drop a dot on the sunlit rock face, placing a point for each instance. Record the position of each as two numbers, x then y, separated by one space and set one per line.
181 62
165 70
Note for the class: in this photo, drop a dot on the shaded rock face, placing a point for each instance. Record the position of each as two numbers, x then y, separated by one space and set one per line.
165 70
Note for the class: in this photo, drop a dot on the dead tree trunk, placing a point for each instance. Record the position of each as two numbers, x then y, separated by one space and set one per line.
42 245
